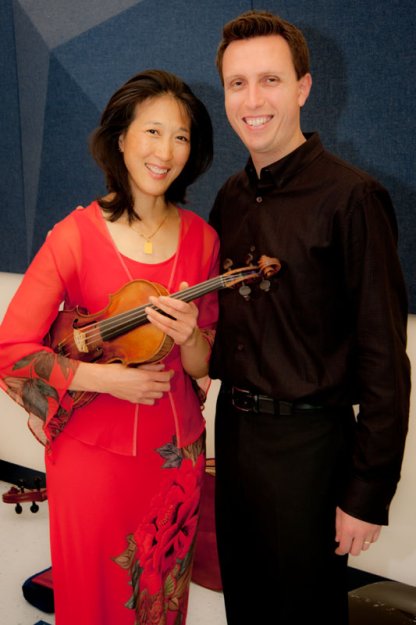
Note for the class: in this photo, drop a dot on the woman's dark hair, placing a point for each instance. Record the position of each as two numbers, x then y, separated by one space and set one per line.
117 117
257 23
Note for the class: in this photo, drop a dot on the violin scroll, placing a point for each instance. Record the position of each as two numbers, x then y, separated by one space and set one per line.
265 269
269 266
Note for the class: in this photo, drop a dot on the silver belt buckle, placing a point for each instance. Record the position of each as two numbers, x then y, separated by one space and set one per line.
236 403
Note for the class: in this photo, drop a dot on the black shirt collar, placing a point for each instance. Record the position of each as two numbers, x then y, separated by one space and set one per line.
278 174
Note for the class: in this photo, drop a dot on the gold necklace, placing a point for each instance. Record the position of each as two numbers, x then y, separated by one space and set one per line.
148 245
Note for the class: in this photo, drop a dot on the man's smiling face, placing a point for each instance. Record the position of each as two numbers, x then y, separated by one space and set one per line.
263 97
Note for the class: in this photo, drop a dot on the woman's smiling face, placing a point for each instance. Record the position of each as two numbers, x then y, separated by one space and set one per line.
156 145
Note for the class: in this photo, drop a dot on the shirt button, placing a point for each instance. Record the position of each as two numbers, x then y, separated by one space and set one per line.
240 347
259 199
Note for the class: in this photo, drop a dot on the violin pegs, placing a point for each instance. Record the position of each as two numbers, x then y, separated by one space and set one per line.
265 285
245 291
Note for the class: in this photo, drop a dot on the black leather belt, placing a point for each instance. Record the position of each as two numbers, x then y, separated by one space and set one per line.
246 401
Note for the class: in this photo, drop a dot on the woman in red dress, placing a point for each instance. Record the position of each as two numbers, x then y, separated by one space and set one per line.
124 470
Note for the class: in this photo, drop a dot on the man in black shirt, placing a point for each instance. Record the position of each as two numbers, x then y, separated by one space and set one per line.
303 480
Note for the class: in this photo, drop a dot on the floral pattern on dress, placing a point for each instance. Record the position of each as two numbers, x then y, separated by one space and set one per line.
160 553
174 455
31 389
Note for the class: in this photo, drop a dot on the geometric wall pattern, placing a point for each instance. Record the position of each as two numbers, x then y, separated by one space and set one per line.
60 61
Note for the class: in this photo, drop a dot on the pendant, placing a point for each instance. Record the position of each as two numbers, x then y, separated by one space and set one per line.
148 247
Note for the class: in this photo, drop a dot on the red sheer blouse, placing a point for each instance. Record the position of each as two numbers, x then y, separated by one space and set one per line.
79 265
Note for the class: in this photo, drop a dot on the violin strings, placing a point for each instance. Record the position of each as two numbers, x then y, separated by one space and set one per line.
138 314
133 315
96 330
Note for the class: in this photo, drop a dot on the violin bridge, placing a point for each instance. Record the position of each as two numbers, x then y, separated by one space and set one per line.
80 341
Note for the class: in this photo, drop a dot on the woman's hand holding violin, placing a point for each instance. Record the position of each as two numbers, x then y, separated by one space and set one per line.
181 324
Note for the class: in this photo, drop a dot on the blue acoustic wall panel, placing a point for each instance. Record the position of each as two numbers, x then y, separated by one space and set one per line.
363 58
61 61
13 253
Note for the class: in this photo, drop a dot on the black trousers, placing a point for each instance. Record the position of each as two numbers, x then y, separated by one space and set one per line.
276 486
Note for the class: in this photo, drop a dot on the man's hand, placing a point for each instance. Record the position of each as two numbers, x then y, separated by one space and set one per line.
354 535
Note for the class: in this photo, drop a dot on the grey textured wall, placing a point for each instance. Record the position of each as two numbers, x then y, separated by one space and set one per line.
60 61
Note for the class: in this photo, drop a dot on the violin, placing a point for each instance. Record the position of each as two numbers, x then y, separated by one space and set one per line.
22 495
122 333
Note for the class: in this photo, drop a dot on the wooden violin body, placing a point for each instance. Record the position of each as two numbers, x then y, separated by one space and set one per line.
107 336
121 331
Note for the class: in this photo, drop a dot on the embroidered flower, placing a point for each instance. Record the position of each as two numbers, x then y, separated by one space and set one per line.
168 533
159 555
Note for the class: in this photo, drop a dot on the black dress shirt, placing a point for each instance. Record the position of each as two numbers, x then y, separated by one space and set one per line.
332 327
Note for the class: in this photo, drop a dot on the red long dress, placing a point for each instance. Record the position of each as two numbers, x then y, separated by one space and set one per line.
123 479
